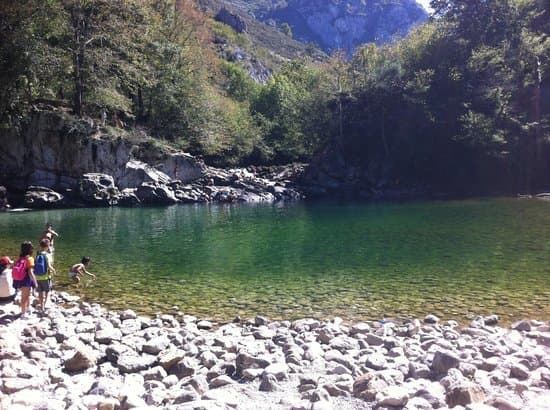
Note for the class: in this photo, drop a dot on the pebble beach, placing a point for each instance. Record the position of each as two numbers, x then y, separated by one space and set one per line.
79 355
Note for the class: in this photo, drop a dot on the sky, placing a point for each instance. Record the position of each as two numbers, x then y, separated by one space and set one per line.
425 4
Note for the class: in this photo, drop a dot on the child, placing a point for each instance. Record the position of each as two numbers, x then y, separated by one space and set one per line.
49 234
79 269
7 292
43 271
23 275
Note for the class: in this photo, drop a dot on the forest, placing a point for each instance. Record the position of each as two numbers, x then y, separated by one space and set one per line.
463 97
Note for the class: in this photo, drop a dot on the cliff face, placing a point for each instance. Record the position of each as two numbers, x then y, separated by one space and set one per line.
345 24
55 150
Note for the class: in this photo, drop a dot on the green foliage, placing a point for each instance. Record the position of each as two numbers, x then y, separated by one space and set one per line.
239 85
461 98
455 95
288 109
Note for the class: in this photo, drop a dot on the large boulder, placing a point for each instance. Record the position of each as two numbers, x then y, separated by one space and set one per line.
98 189
183 167
42 198
136 173
155 194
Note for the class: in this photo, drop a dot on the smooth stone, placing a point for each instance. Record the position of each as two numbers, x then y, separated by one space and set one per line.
522 326
360 328
128 314
443 361
374 340
464 394
376 361
157 373
83 358
132 364
183 368
170 357
519 371
204 325
269 383
396 396
107 336
279 370
246 361
221 381
156 345
431 319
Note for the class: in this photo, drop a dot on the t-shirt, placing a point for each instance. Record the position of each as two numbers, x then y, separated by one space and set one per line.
6 284
30 263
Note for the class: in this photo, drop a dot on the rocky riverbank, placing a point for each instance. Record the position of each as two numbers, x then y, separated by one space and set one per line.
60 161
81 356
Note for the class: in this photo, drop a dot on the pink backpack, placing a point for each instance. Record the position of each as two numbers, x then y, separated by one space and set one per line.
19 270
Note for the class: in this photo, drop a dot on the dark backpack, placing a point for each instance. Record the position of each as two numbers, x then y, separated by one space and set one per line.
19 269
41 264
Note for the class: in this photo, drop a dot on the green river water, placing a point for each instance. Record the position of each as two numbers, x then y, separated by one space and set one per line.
456 259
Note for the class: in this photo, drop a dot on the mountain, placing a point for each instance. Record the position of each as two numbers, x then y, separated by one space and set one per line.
338 24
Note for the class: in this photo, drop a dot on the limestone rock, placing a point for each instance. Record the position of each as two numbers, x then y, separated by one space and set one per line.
464 394
98 189
396 396
42 198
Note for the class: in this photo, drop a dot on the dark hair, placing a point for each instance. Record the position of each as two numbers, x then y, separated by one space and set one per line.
48 225
26 249
2 267
85 260
44 243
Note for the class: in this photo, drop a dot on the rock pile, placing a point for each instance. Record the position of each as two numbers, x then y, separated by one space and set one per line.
83 356
142 184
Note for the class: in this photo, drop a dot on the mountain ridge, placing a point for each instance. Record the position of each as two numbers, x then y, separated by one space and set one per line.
337 24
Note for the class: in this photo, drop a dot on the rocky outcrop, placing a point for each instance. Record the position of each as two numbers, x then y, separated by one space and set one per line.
347 24
80 355
98 190
70 162
43 198
233 20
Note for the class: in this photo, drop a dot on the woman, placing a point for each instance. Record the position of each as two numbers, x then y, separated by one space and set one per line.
23 275
7 292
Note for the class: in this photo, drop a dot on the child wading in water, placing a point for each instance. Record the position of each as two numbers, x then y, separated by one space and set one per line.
43 271
23 275
79 270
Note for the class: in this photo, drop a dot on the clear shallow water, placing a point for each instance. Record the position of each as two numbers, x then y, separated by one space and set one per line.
359 261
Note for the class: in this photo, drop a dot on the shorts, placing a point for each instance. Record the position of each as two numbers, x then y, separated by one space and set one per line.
26 282
44 285
72 274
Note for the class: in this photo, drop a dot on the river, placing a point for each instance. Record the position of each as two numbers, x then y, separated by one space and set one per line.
457 259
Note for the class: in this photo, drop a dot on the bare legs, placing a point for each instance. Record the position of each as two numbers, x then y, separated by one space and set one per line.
25 299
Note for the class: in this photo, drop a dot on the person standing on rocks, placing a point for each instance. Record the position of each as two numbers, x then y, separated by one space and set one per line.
43 270
7 292
23 275
79 269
